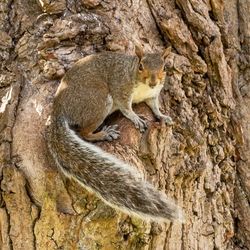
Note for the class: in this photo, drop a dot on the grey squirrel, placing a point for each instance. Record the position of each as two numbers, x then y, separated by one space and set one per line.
92 89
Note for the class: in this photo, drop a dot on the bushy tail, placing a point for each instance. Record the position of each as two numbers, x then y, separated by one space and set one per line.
114 181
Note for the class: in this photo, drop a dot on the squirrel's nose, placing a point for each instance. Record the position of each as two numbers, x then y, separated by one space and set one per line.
153 81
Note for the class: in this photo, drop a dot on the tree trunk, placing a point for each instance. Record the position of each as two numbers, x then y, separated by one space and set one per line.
202 161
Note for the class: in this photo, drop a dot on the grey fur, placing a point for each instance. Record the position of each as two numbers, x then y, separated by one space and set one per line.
92 89
114 181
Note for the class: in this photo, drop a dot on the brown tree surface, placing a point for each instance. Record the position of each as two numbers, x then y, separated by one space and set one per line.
202 161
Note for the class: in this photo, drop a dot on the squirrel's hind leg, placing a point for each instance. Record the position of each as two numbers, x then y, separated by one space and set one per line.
108 133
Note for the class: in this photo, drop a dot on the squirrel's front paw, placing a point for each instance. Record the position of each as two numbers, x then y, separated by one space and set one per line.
140 124
167 119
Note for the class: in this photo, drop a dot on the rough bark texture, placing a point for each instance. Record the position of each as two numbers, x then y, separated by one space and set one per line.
202 161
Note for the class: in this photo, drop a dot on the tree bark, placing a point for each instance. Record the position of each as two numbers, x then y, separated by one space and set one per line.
202 161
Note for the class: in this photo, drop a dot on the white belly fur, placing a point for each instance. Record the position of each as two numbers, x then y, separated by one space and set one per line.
143 92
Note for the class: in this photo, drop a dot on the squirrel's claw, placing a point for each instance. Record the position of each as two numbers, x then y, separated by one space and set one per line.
111 132
167 119
140 124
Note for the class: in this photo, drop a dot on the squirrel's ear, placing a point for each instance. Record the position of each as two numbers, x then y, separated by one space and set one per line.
139 51
166 52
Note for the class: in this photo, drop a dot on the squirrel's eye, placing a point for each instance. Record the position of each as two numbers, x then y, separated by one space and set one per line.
140 67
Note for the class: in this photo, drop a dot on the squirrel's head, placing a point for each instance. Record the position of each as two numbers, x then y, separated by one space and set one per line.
151 67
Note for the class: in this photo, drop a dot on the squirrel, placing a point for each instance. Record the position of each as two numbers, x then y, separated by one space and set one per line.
96 86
